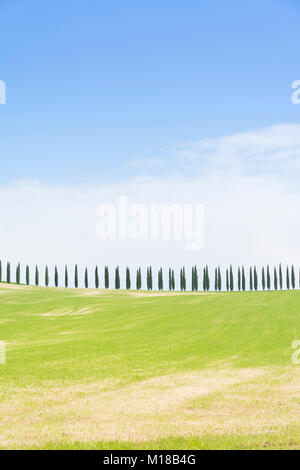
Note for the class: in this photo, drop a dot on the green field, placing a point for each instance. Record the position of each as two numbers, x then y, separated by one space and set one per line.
127 370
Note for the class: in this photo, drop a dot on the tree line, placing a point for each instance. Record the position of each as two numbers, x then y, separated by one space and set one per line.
230 281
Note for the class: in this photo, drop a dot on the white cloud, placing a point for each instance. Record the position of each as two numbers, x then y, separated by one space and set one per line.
251 217
263 150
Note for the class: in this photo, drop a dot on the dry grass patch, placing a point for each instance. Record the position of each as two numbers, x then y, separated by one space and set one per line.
134 293
229 401
60 312
4 286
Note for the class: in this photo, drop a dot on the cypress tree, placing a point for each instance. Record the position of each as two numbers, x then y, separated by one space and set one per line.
207 279
86 278
55 277
46 277
117 278
66 277
160 279
239 279
137 280
27 275
263 279
216 279
18 274
196 280
293 279
243 279
96 278
231 278
76 276
149 278
36 276
128 281
227 280
251 279
182 279
0 271
268 278
219 279
204 279
173 280
287 278
170 279
280 277
8 273
193 279
106 277
255 278
275 279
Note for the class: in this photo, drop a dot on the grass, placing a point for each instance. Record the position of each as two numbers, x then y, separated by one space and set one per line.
106 369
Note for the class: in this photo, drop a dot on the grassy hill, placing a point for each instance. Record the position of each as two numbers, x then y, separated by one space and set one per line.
107 369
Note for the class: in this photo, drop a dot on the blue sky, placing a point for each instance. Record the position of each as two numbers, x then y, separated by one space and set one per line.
159 101
98 90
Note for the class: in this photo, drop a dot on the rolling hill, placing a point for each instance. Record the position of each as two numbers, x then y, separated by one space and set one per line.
119 370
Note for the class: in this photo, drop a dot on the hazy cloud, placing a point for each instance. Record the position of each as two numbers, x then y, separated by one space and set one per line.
270 150
251 216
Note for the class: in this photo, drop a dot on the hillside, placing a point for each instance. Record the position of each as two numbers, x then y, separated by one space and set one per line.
93 369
